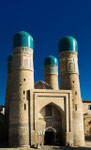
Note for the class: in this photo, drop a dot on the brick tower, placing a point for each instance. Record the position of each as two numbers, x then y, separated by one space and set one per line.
23 80
51 71
9 84
68 55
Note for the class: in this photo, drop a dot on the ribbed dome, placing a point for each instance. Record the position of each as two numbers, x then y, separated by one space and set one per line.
23 39
51 61
10 58
68 43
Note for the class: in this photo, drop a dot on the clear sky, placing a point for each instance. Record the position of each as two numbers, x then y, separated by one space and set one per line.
47 21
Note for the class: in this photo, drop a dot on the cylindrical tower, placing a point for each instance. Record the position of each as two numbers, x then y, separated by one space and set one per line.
68 55
51 71
23 80
9 85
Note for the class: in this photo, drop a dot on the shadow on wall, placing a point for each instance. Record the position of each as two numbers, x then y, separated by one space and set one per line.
3 131
88 134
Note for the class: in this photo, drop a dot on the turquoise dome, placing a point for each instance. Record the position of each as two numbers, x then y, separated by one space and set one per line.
68 43
23 39
51 61
10 58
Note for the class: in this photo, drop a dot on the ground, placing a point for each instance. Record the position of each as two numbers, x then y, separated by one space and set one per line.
87 147
49 148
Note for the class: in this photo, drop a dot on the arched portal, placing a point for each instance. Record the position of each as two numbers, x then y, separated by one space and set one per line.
50 136
53 120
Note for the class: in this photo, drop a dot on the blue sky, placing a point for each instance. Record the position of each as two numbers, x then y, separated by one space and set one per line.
47 21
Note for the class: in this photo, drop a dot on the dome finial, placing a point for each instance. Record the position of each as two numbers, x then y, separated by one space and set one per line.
68 43
51 61
23 39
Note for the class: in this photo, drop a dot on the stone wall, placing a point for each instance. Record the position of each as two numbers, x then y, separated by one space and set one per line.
87 119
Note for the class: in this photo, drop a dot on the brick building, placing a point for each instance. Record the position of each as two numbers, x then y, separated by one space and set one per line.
41 113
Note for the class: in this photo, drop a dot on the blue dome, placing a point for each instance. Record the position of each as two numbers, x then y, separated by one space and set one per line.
23 39
68 43
10 58
51 61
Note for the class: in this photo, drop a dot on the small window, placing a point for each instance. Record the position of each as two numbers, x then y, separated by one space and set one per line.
24 79
75 107
76 93
73 81
89 107
24 106
23 92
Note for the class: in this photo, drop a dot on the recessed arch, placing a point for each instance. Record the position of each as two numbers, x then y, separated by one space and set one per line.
53 104
54 125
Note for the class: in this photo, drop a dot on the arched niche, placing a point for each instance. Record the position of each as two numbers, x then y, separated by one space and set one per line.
54 123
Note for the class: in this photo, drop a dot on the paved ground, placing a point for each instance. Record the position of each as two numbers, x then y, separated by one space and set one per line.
87 147
49 148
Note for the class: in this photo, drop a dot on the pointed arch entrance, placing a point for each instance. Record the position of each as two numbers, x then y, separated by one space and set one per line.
53 117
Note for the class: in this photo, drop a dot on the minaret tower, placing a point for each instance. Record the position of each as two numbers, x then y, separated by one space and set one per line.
68 55
51 71
23 80
9 84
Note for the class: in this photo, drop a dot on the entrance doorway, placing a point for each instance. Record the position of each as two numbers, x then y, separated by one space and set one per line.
49 138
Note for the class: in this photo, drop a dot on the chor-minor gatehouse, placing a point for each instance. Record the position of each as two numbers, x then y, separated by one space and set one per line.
42 113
